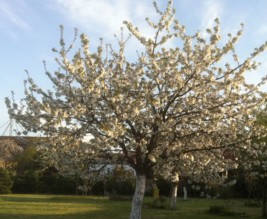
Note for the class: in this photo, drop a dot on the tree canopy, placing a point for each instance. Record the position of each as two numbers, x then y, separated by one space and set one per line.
183 94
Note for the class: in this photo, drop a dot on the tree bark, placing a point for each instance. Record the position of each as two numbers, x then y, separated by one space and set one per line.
264 202
174 196
138 197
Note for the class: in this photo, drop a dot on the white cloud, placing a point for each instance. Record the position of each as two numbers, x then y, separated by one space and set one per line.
211 10
96 16
11 17
230 22
261 30
103 17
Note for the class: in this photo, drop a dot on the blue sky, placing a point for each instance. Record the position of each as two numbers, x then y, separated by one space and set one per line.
29 29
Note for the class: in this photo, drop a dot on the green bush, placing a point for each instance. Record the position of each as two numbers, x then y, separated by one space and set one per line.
164 186
217 209
5 182
120 198
27 182
226 192
251 204
64 185
99 188
51 182
225 211
158 203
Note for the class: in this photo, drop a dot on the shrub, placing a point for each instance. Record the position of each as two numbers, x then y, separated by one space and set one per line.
164 186
120 198
158 203
5 182
251 204
155 193
225 210
120 182
51 182
27 182
99 188
217 209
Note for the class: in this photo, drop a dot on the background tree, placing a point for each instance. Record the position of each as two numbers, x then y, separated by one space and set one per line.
5 181
77 159
29 159
178 95
254 162
9 149
28 171
32 177
210 167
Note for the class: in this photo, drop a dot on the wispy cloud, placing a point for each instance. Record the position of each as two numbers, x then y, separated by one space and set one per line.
261 30
230 22
103 16
211 10
11 18
95 16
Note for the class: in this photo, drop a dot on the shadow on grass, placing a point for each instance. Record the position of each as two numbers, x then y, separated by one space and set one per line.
85 215
24 199
94 214
71 207
54 199
61 207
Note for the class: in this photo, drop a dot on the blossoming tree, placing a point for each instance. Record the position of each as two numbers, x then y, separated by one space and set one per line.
254 162
210 167
73 157
255 165
180 94
9 149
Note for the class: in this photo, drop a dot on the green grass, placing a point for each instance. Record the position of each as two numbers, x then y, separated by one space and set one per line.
72 207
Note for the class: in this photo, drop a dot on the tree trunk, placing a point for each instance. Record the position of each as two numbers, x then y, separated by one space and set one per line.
138 197
264 202
174 196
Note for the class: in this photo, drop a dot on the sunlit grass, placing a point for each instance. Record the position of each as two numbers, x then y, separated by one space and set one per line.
72 207
47 206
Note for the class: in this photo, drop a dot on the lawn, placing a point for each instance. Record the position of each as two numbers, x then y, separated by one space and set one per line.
72 207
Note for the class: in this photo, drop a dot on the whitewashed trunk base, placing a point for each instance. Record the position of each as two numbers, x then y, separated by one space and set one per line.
174 196
138 197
